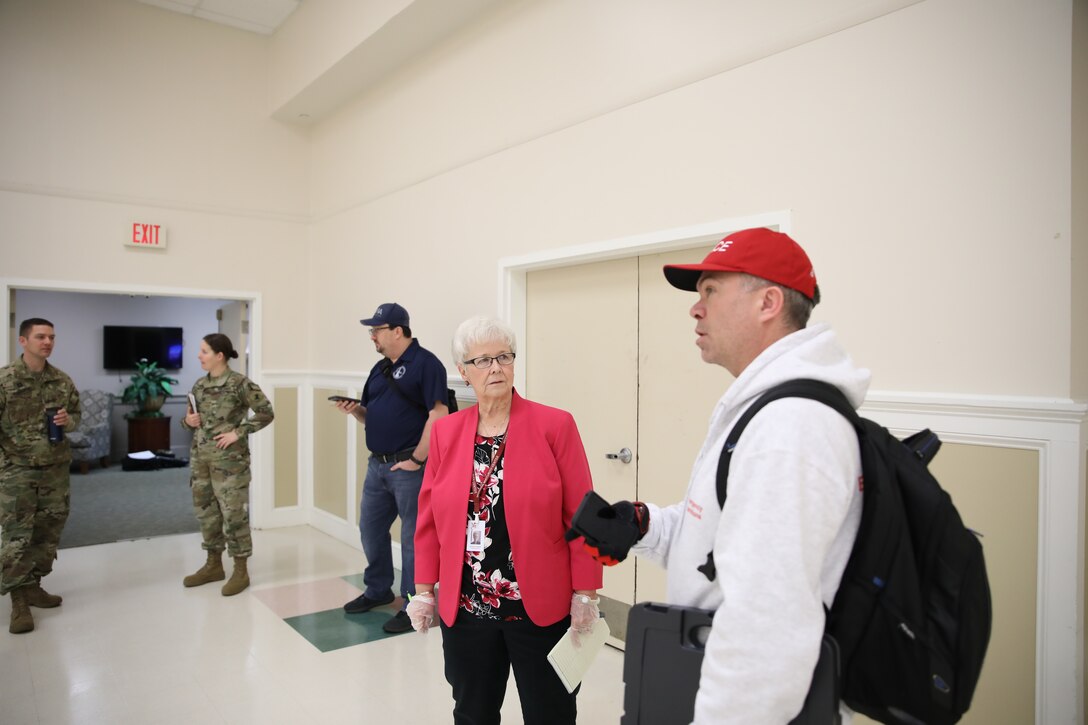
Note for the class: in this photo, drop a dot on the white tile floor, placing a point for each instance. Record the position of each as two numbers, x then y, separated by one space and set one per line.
130 645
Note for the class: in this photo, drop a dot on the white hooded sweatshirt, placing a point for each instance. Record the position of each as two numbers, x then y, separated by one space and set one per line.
783 539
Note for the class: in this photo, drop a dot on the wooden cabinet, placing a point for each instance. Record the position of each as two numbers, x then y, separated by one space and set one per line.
149 434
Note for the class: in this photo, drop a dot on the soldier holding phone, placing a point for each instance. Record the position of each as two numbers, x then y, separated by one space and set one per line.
37 403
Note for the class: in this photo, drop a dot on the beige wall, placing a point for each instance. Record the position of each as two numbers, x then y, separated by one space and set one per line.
914 178
318 35
906 172
123 99
116 112
1079 267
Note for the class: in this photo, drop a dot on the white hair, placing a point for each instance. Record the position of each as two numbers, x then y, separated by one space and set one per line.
478 330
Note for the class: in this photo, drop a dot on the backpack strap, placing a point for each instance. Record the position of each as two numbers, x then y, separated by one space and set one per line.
924 445
387 373
816 390
451 396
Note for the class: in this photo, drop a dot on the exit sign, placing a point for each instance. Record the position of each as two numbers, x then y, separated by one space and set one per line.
147 236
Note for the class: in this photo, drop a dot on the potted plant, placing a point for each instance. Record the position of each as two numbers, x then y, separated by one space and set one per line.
147 389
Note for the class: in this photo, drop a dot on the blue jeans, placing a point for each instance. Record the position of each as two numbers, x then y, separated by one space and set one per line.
387 494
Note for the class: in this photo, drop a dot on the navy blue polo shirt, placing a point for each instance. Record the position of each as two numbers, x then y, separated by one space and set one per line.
392 423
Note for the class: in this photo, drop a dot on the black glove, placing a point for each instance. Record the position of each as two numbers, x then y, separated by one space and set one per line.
609 530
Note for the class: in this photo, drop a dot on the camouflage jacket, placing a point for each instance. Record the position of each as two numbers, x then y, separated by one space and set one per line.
224 404
24 396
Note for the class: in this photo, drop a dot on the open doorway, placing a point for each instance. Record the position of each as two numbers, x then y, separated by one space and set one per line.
110 504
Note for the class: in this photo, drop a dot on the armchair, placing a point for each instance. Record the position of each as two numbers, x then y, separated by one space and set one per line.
91 440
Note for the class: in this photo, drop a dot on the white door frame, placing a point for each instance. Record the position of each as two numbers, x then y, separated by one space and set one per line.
512 270
261 496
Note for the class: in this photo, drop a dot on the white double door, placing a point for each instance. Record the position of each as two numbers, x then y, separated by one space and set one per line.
613 343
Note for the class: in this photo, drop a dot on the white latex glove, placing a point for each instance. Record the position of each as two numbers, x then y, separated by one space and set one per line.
583 613
421 611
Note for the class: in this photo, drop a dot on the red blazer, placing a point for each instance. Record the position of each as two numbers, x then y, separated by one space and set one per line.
545 476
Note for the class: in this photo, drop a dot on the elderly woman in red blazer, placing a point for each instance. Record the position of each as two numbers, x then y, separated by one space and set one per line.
502 482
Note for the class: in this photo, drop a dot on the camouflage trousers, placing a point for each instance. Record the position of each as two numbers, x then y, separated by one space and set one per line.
221 499
33 509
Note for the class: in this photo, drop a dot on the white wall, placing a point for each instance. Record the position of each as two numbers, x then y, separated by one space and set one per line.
115 112
127 100
924 156
320 34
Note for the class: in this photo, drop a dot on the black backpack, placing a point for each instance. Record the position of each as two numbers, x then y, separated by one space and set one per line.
912 614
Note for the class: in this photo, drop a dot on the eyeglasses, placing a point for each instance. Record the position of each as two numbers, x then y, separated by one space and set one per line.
374 330
484 361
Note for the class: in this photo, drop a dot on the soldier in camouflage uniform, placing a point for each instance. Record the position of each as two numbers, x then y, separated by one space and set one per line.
220 461
34 484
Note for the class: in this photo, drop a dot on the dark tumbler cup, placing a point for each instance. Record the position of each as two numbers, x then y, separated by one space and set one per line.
56 433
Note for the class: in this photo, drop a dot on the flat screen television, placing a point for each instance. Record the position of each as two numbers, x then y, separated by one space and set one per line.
123 345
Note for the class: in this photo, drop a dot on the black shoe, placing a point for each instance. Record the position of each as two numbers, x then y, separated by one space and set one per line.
398 623
363 603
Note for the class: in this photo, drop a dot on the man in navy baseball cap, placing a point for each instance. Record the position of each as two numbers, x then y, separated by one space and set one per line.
402 397
388 313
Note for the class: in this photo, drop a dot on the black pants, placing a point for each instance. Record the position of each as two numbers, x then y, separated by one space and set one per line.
479 654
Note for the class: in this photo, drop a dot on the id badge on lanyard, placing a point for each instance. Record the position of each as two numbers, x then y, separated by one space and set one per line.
474 536
474 532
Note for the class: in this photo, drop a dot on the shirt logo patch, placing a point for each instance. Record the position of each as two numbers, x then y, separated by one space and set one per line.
399 373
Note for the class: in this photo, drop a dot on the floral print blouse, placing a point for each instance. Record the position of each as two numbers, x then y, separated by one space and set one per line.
489 586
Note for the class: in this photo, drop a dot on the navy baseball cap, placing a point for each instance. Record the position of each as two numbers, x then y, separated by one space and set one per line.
388 313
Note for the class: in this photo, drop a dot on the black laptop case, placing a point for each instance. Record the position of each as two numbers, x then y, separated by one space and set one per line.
663 657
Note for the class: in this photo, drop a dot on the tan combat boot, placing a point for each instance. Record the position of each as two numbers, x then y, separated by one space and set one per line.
38 597
239 580
212 571
21 619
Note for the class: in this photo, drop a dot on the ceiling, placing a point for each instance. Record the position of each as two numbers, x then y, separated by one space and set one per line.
416 27
257 16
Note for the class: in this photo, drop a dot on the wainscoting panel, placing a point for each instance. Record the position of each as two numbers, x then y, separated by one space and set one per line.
330 454
285 441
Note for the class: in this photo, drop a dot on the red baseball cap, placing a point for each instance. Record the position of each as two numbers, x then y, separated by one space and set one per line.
759 252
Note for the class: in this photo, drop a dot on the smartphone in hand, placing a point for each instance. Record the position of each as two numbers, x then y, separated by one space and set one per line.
344 399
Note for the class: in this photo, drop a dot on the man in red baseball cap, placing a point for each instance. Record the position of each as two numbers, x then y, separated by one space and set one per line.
781 541
747 261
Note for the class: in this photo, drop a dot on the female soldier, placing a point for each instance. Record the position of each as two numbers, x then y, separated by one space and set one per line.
219 460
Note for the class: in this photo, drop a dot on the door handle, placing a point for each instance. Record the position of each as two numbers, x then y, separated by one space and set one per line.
624 455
